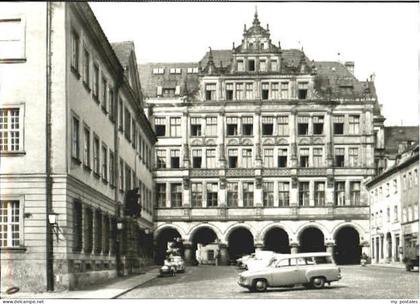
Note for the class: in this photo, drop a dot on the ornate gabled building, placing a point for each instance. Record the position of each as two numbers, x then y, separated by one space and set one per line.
261 147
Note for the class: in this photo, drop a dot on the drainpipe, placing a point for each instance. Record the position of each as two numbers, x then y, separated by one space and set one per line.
49 239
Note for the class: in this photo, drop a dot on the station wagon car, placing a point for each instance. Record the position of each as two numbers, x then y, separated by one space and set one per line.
312 270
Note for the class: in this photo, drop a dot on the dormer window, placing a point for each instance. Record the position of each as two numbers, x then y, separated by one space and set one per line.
240 66
175 70
158 71
168 92
251 65
250 45
210 91
302 90
274 65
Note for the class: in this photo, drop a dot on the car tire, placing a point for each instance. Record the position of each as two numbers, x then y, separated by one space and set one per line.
260 285
318 282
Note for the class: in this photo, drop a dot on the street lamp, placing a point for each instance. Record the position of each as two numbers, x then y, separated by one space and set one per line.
53 221
120 225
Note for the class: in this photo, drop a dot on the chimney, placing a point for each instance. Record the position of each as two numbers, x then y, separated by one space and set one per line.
350 66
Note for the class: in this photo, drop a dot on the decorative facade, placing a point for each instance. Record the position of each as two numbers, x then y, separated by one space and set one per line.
261 147
74 139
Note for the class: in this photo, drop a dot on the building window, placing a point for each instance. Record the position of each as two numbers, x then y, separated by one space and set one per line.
75 51
249 91
161 195
247 158
267 125
111 104
268 194
284 90
247 126
196 158
354 157
263 65
302 90
251 65
239 91
134 133
304 157
196 126
86 68
265 90
104 162
104 94
283 194
197 194
248 194
268 158
175 71
275 90
211 158
88 230
318 157
11 39
354 122
395 185
318 124
158 71
95 81
121 115
396 218
175 161
98 232
121 174
105 235
229 91
240 67
210 92
232 194
338 124
231 126
111 168
168 92
77 226
211 126
319 194
75 139
233 158
388 215
160 126
10 226
127 178
274 65
303 193
303 125
339 157
127 126
175 124
339 194
282 158
11 130
283 125
96 155
212 194
161 159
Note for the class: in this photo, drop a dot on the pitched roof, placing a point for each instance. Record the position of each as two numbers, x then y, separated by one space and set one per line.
395 135
123 50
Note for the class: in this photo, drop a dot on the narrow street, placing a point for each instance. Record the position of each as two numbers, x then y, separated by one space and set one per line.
220 282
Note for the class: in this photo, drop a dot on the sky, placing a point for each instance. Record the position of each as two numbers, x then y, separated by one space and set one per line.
381 38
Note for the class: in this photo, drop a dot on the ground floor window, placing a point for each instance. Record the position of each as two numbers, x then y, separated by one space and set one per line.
10 223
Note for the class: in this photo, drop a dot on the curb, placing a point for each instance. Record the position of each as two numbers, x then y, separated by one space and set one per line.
132 288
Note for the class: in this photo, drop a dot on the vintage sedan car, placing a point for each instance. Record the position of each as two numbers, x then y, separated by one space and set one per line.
179 263
312 270
241 261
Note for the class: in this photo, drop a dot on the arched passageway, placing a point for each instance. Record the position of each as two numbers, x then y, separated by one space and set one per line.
347 246
240 242
311 240
203 236
164 236
277 240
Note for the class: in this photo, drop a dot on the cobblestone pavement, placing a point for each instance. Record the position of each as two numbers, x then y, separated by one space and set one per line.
220 282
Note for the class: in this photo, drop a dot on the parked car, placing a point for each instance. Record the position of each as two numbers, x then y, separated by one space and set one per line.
312 270
411 256
261 259
179 263
240 262
172 265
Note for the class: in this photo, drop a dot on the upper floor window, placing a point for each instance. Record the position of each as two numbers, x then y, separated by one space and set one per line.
232 194
317 157
251 65
303 125
239 91
212 190
229 91
175 123
158 71
240 64
86 147
175 158
11 39
267 125
268 194
354 157
339 157
338 124
319 195
111 168
275 90
355 193
233 158
284 90
354 123
318 125
283 194
247 125
10 223
274 65
302 90
11 130
249 91
282 158
248 194
263 65
75 138
127 121
160 159
160 126
104 94
231 126
175 71
265 90
86 68
303 193
176 195
95 81
75 51
196 194
304 157
210 91
104 162
121 114
211 158
168 92
211 126
192 70
268 158
196 158
96 157
247 158
196 126
339 194
283 125
395 185
161 195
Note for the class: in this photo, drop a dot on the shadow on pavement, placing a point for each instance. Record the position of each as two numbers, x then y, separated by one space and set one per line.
298 288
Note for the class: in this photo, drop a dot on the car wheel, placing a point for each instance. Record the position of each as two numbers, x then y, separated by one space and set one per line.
408 267
318 282
260 285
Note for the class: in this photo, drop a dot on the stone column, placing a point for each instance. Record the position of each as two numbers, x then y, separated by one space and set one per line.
294 247
330 247
188 254
258 246
392 257
224 254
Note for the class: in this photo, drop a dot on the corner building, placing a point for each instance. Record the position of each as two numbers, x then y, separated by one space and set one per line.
260 147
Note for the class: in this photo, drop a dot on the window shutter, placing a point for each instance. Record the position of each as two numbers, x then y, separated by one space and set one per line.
159 91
